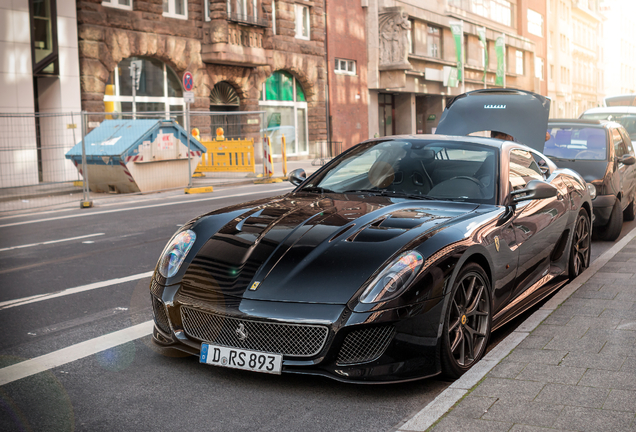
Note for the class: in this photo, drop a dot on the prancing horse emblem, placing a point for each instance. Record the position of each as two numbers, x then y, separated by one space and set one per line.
497 243
241 332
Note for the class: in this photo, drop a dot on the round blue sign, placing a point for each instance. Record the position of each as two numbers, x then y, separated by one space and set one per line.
188 81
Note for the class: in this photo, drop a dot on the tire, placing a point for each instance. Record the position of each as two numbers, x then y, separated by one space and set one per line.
467 322
629 213
581 242
612 230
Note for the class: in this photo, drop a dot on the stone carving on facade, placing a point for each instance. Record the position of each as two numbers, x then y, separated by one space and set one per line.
394 31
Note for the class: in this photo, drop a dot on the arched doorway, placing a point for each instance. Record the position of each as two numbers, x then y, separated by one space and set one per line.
283 100
158 89
223 98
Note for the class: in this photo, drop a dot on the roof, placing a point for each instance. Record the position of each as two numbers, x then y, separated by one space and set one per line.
588 122
612 109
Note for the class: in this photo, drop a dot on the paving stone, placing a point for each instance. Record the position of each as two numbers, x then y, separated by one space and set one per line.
572 395
508 389
618 350
553 357
551 374
593 361
624 295
507 369
621 257
589 345
594 293
613 336
565 310
618 267
454 424
593 420
562 332
534 342
629 365
593 322
626 325
473 406
620 314
529 413
621 400
609 379
606 276
526 428
557 320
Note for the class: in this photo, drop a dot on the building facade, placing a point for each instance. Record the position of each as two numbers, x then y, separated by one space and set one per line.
244 55
619 31
412 49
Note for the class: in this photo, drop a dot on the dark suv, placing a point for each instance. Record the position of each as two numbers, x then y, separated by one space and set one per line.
602 152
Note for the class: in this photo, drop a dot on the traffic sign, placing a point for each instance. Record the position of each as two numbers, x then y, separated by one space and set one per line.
188 81
188 97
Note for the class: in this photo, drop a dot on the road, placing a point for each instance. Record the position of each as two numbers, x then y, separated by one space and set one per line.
62 296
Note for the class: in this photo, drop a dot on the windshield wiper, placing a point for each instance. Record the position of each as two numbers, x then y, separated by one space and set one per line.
388 193
316 189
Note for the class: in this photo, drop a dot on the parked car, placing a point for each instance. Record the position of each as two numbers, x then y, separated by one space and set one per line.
393 262
620 100
603 154
625 115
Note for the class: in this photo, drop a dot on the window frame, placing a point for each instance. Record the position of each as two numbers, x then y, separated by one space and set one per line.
298 10
348 63
539 61
115 4
517 64
434 36
171 8
533 18
528 178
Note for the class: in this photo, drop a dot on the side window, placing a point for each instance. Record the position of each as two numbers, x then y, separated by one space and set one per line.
627 141
619 146
523 169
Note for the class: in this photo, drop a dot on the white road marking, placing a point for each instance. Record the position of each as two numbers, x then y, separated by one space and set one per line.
51 242
282 190
40 297
66 355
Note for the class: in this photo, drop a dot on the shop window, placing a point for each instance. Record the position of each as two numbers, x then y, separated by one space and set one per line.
158 89
302 22
347 67
175 9
119 4
283 100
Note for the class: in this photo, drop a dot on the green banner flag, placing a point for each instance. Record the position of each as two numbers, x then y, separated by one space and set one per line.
457 28
481 31
500 50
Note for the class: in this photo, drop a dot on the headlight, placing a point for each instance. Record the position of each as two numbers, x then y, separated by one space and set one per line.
592 190
175 252
394 279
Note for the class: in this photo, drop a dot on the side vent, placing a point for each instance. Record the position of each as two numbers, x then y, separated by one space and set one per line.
557 252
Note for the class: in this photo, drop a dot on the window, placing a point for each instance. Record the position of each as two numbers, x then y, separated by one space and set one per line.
538 68
302 22
158 88
551 72
246 12
175 9
347 67
206 10
119 4
563 42
274 17
519 63
535 23
412 37
523 169
496 10
285 106
619 146
433 42
44 37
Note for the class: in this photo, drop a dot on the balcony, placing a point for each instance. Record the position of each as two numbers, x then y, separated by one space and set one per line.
247 19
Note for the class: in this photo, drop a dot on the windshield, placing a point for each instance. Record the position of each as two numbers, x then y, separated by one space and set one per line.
420 169
576 143
628 120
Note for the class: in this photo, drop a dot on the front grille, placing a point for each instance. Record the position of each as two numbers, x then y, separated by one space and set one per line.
366 345
155 288
161 318
298 340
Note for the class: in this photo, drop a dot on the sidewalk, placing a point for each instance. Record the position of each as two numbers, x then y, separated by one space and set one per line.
571 366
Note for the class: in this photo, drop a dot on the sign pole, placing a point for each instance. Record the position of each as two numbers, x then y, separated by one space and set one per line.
188 96
134 89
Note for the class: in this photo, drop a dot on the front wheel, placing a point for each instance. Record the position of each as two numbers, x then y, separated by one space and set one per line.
612 230
467 321
580 250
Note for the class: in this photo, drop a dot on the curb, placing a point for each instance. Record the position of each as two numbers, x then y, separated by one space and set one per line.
198 190
439 406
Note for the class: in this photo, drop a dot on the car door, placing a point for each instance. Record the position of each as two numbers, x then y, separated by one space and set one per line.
630 170
625 172
538 224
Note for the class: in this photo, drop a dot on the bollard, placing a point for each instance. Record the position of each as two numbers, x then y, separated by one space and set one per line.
268 165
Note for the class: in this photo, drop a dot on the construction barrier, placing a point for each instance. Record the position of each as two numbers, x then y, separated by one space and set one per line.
227 155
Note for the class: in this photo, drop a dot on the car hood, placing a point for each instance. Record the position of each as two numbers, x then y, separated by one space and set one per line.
310 248
524 115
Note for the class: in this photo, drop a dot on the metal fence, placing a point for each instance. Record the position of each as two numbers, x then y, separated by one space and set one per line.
44 164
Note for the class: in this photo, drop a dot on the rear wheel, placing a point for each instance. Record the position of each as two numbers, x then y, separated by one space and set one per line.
630 212
580 251
467 321
612 230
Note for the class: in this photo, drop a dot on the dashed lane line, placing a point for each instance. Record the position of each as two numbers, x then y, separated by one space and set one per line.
69 354
41 297
50 242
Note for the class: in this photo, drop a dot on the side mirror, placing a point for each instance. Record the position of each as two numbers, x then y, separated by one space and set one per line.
297 176
628 160
535 189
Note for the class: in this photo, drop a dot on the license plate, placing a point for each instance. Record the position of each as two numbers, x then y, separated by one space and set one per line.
236 358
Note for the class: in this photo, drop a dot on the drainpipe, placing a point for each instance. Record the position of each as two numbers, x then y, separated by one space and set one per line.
327 110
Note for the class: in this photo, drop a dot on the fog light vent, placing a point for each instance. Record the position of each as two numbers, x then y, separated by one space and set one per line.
161 317
366 345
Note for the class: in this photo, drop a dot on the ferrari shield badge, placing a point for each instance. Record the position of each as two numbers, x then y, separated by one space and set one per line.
497 243
255 285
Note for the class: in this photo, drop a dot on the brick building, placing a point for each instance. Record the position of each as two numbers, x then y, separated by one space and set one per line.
245 55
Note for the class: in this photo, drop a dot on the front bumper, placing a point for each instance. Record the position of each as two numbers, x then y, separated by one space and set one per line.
602 206
405 340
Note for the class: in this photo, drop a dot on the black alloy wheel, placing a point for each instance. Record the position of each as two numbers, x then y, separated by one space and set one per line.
630 212
581 242
467 321
612 230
